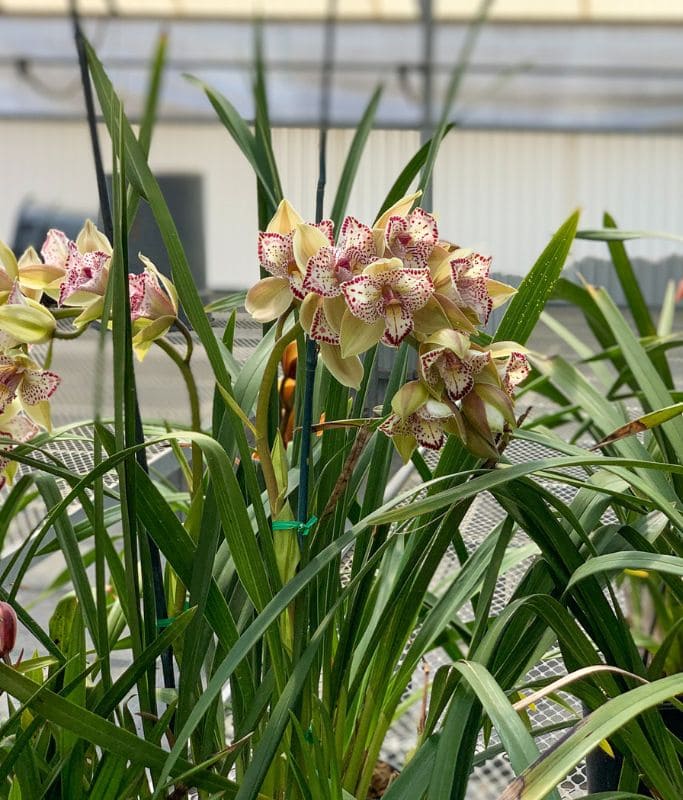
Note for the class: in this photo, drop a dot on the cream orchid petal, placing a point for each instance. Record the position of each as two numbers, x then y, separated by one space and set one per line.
321 275
268 299
40 413
146 331
499 292
38 385
39 276
334 311
275 253
28 322
429 319
357 336
307 311
18 427
399 209
516 370
409 398
286 218
398 322
457 318
364 298
8 261
92 311
55 249
348 371
86 276
307 241
91 239
428 432
414 286
354 234
321 330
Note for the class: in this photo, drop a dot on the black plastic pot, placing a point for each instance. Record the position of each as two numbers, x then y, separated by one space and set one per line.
602 771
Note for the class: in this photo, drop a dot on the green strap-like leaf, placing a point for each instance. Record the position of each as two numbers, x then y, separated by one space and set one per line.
671 565
535 782
526 306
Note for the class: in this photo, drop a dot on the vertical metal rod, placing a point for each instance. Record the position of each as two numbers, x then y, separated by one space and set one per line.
427 130
311 346
107 224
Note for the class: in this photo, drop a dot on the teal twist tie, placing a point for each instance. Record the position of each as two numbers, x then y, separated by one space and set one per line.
302 528
164 623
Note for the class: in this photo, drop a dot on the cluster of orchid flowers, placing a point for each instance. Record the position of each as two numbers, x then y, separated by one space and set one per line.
74 275
393 282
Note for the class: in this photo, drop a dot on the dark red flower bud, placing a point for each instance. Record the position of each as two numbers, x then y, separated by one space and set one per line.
8 629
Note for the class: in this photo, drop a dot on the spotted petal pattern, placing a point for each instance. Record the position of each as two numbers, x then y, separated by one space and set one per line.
515 370
55 249
275 253
321 330
147 299
394 294
426 424
469 276
85 272
412 238
457 374
38 385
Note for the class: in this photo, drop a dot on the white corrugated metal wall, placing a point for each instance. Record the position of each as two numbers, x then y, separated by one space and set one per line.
503 192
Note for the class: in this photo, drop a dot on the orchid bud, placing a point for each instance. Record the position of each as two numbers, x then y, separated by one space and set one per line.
8 629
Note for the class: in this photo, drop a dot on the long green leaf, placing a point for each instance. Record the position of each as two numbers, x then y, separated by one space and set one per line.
538 780
93 728
526 306
671 565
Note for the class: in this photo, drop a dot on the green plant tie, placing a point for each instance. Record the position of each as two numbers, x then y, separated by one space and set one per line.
165 622
302 528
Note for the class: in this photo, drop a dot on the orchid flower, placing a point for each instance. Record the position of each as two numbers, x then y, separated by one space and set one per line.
85 283
488 409
448 363
153 306
330 267
383 298
271 297
23 320
24 380
419 419
412 238
16 425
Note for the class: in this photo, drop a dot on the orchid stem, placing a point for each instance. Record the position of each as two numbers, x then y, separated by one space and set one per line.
306 422
188 339
261 422
195 411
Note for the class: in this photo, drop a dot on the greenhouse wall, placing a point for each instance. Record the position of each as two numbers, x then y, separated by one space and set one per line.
502 192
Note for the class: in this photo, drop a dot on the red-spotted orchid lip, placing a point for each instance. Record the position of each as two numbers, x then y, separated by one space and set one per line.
393 294
412 238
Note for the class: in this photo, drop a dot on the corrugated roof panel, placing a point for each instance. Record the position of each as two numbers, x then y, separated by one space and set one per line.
569 10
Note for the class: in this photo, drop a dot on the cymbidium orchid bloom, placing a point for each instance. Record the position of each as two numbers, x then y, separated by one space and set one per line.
47 274
488 409
449 364
153 306
330 267
23 380
281 255
419 419
381 302
85 283
412 238
16 425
